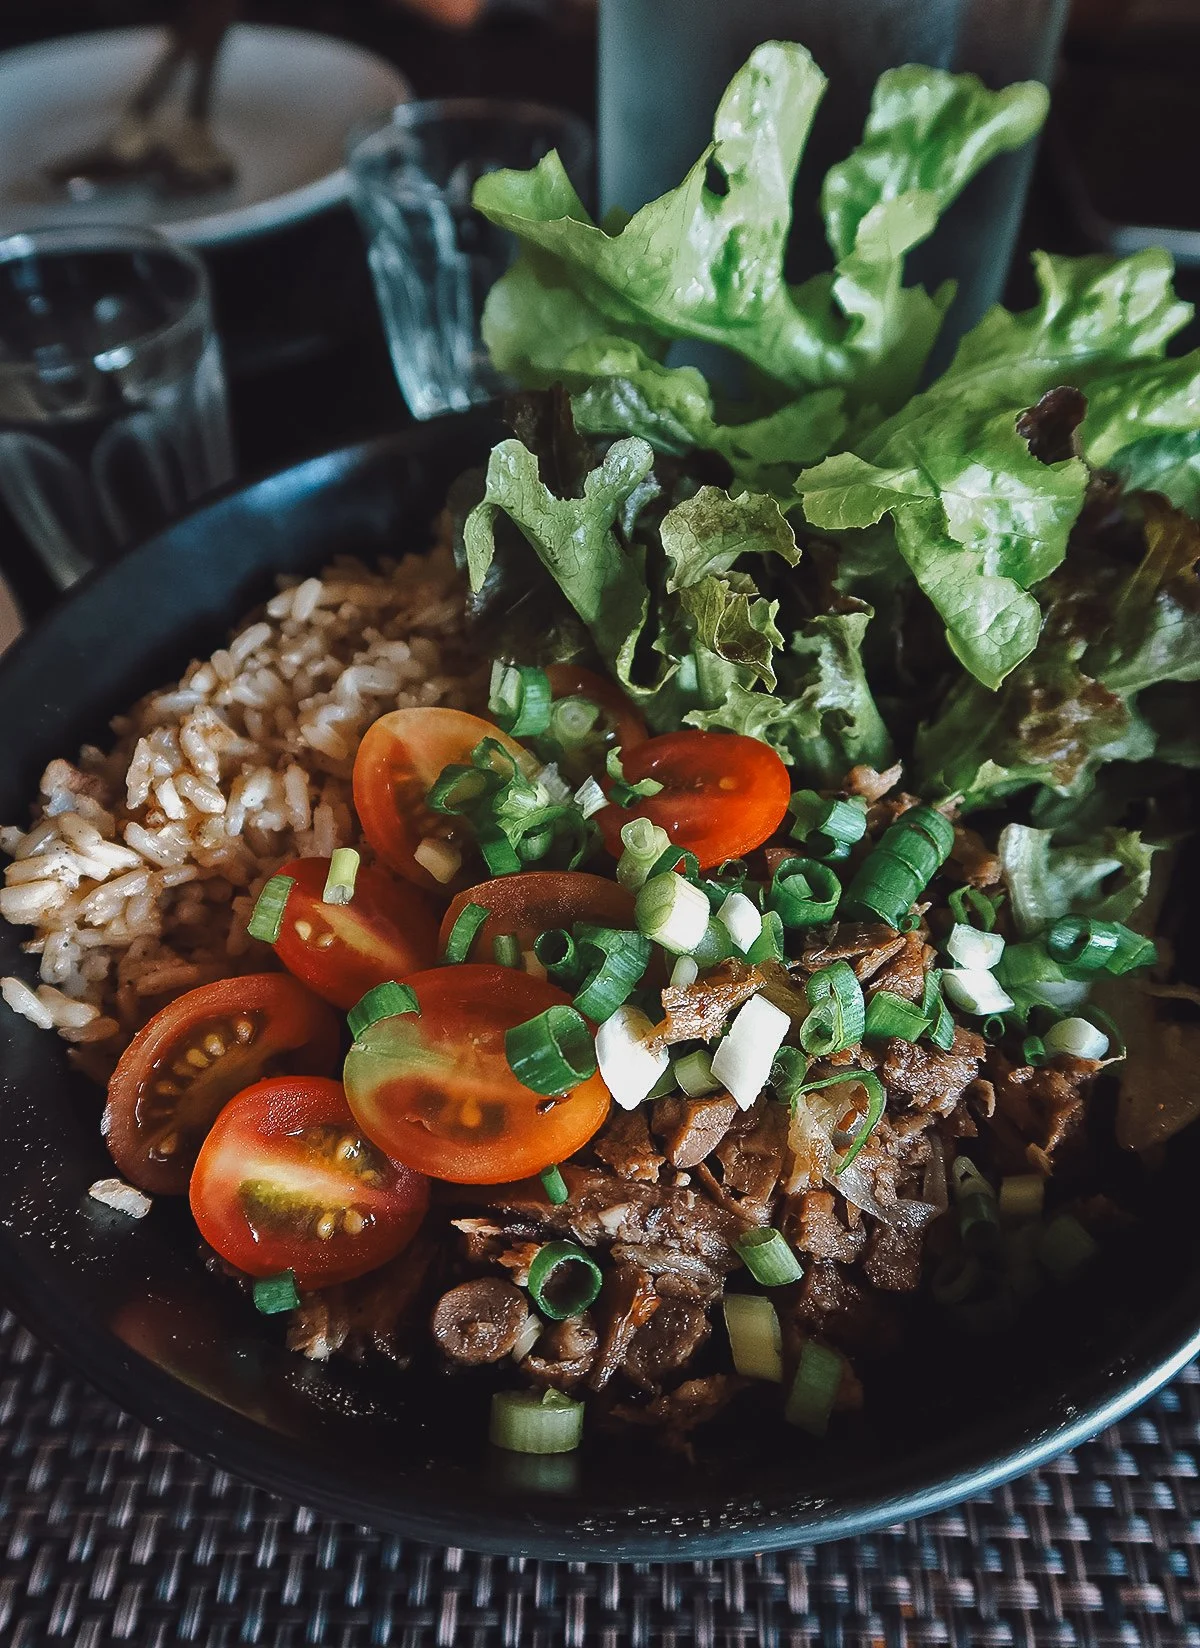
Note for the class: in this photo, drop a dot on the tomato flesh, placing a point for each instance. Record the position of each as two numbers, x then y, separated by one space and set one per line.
193 1056
722 796
400 757
286 1181
388 929
435 1091
529 903
619 726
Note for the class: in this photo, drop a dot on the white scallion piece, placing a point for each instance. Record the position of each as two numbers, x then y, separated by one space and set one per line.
590 798
1078 1037
973 949
528 1335
532 965
694 1075
974 990
441 858
628 1066
755 1338
742 1062
122 1197
558 791
673 913
685 971
741 919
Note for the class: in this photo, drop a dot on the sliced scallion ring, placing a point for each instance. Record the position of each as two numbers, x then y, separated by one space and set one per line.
838 1016
499 854
672 912
506 950
644 845
266 919
554 1185
563 1280
624 957
890 1015
462 935
678 859
1077 1037
769 945
343 871
693 1075
818 1376
556 950
1022 1196
383 1001
273 1295
1095 946
788 1073
755 1336
519 699
876 1104
971 908
972 947
590 798
551 1053
572 721
535 1422
768 1257
804 893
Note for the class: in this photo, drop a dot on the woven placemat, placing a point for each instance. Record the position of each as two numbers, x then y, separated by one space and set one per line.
111 1535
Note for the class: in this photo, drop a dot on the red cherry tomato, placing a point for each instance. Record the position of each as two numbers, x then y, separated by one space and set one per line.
341 950
435 1090
193 1056
529 903
398 761
286 1181
722 796
619 726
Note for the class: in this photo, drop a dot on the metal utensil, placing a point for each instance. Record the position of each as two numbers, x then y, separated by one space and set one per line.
174 157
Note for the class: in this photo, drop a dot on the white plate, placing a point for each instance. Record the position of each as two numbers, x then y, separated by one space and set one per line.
10 618
285 102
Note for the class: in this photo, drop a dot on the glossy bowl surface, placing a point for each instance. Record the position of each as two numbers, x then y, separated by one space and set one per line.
131 1306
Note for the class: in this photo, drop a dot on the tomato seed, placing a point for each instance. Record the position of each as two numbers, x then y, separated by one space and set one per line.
324 941
214 1045
303 931
167 1089
167 1145
347 1148
353 1222
197 1058
326 1225
243 1029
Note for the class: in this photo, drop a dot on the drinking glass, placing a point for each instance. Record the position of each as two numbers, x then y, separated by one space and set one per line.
113 417
433 257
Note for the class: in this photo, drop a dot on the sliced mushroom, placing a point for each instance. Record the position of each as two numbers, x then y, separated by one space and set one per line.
479 1322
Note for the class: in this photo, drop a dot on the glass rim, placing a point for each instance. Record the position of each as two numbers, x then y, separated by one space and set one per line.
520 111
64 239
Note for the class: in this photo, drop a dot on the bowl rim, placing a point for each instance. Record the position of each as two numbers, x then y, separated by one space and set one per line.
1029 1434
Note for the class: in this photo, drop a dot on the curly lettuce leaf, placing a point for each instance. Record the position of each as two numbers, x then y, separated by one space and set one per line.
1152 628
1106 878
706 535
1169 464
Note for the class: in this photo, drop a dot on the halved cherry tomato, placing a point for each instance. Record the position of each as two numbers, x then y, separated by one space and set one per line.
286 1181
400 757
529 903
194 1055
619 725
435 1090
722 796
341 950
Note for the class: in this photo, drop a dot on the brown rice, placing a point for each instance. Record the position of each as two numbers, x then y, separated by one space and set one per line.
141 866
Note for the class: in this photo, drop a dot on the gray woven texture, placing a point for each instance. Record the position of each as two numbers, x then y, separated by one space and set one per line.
109 1534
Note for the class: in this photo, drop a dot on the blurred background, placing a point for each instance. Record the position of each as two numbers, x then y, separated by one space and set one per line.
306 360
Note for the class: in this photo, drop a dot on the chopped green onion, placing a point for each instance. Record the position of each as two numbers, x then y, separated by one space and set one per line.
979 1223
563 1280
755 1337
456 786
818 1376
463 934
693 1075
1021 1197
275 1294
768 946
672 912
1095 946
971 908
630 1067
1065 1247
555 949
678 859
685 972
590 798
506 950
876 1104
554 1185
768 1257
644 844
741 919
572 721
519 699
838 1016
829 828
266 920
551 1053
993 1027
941 1031
620 789
788 1073
624 957
891 1015
343 871
942 1034
1077 1037
528 1422
955 1279
1111 1029
975 990
1034 978
664 1085
971 948
383 1001
742 1062
966 1180
896 873
1033 1051
499 854
804 893
716 946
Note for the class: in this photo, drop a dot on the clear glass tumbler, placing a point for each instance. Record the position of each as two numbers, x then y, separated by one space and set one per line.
432 256
113 417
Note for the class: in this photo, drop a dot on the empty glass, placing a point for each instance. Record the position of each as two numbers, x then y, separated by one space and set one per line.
112 400
432 256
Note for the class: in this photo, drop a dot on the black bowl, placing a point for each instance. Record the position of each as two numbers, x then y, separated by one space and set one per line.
132 1307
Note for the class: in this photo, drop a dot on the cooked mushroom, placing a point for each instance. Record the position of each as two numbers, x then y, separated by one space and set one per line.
478 1322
